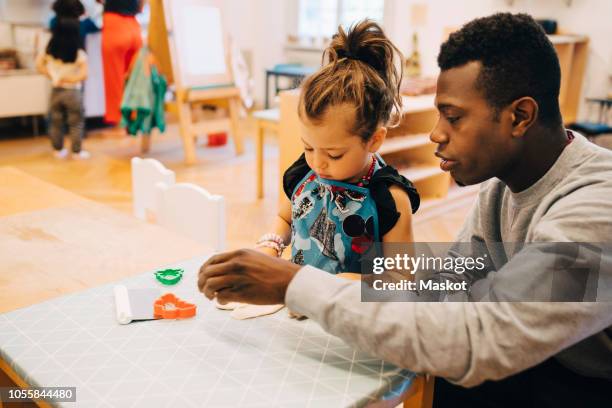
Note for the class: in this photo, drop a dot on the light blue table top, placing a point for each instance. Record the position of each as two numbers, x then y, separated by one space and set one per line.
291 70
211 360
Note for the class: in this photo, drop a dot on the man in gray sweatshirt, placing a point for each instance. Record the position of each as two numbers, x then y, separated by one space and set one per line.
500 125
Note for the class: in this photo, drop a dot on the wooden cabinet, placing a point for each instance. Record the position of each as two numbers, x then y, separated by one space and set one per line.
407 147
24 92
572 51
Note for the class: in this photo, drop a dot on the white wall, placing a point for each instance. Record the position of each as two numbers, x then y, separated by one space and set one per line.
25 11
588 17
259 29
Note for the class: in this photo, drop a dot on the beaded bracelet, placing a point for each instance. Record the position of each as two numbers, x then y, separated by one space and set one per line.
273 241
270 244
271 237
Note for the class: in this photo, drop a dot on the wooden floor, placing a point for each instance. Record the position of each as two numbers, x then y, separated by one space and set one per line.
106 178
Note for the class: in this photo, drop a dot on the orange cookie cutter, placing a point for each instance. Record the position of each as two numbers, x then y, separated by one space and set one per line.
168 306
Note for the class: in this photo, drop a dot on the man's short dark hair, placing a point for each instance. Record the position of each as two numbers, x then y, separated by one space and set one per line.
517 60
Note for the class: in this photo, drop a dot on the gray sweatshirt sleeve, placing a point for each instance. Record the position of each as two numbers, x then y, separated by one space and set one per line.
466 343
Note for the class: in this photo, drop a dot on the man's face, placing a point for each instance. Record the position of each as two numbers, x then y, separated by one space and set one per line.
473 144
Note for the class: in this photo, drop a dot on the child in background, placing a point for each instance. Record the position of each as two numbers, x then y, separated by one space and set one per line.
74 9
65 63
340 195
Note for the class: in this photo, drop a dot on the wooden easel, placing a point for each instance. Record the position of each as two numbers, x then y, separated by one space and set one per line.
161 44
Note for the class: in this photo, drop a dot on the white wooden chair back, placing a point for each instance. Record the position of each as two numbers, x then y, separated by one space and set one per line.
146 173
192 211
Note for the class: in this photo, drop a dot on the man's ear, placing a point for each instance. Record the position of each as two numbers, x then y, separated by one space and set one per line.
524 113
377 139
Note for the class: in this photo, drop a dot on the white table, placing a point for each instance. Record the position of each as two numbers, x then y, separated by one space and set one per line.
211 360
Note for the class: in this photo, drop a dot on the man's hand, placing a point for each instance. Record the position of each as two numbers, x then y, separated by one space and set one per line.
246 276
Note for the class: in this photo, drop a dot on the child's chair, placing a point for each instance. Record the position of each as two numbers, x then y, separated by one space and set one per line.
265 120
194 212
146 173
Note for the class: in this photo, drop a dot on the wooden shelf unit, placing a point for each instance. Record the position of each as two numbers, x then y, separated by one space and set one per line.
399 143
413 157
409 149
572 51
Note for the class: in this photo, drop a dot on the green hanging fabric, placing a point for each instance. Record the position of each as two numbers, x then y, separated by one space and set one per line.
142 107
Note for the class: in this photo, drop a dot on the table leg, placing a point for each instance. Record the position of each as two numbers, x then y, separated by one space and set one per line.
185 121
259 159
296 81
145 143
267 103
234 107
276 90
9 378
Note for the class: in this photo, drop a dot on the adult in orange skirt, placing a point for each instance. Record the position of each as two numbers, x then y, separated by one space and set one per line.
121 40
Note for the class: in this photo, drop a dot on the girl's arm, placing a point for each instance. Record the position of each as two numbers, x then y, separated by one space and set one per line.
80 76
401 233
282 226
40 64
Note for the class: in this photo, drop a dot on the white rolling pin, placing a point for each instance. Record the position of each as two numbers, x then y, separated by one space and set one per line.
122 304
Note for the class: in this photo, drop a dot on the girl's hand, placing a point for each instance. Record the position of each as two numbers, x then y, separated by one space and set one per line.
267 251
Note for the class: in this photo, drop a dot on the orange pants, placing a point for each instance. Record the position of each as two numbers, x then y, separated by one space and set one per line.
121 40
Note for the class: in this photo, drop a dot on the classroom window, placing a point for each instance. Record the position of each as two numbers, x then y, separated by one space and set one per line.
321 18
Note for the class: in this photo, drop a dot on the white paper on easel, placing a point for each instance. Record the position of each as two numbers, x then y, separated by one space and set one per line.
197 43
204 23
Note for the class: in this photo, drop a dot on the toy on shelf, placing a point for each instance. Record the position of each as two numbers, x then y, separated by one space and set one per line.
412 64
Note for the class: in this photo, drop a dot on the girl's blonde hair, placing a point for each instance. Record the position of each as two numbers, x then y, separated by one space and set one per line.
359 68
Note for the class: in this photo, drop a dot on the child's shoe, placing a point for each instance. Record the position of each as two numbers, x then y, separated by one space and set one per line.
82 155
61 154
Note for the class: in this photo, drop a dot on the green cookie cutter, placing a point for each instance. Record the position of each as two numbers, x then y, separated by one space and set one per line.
169 276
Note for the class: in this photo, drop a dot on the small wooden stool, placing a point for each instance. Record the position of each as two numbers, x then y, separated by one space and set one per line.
265 120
